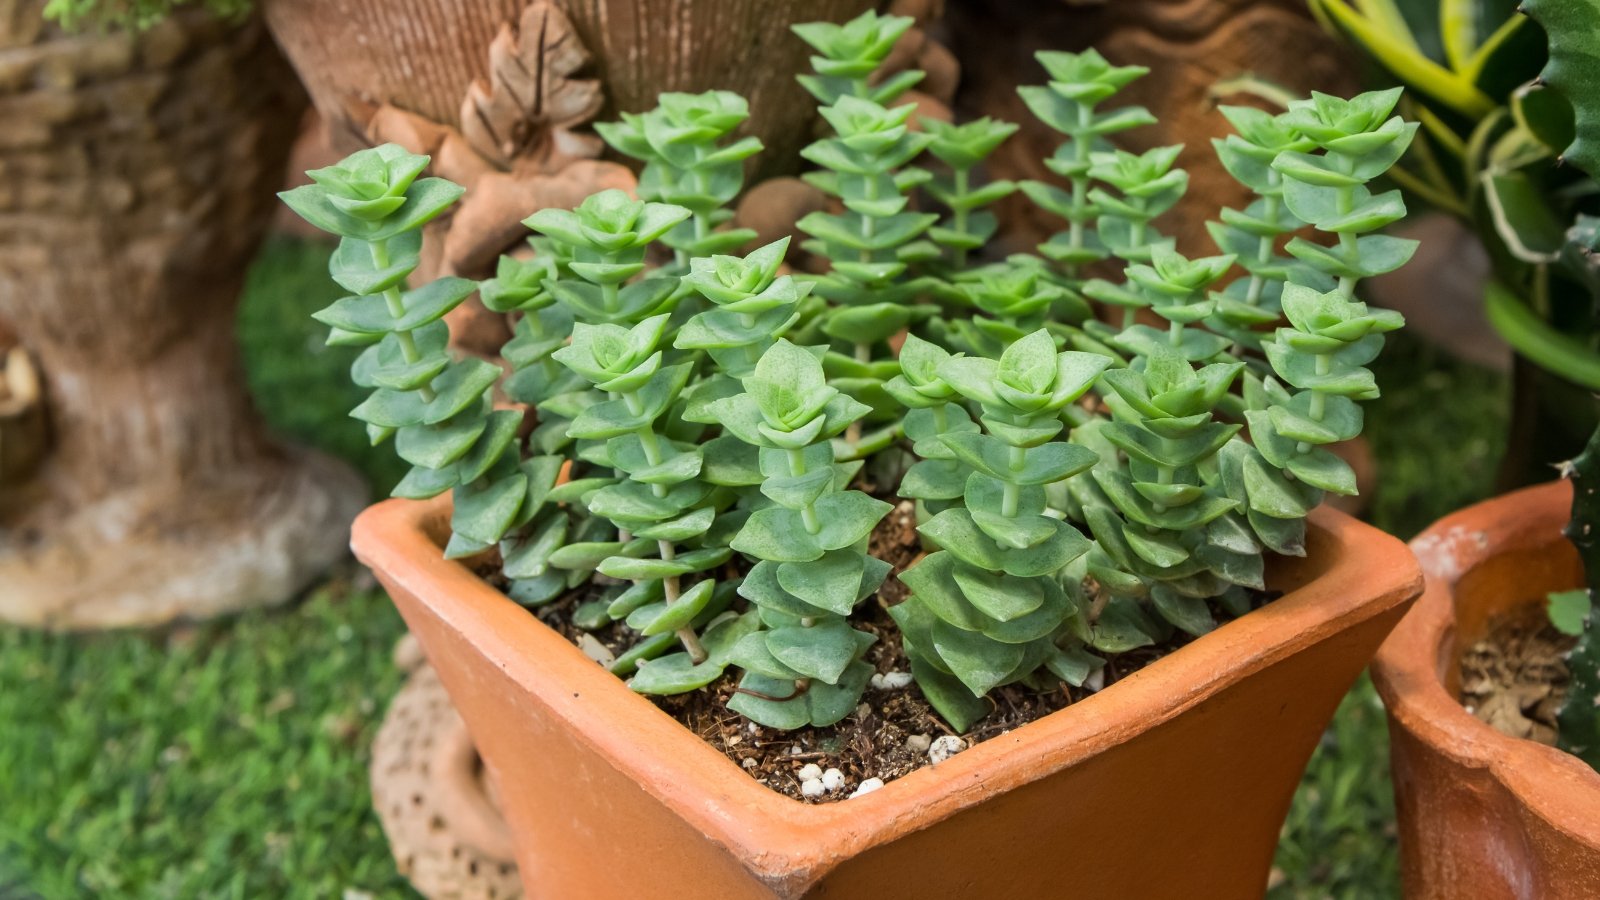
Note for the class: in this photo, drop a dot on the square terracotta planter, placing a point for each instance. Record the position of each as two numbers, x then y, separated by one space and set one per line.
1484 815
1172 783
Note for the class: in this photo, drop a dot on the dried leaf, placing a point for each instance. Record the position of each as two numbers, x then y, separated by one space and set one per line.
524 114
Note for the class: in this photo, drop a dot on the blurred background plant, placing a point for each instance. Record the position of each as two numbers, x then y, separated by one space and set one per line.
1490 154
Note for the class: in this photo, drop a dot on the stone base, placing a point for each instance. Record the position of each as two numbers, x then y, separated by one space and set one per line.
123 561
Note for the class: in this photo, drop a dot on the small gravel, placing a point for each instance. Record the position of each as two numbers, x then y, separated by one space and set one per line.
867 787
944 747
833 780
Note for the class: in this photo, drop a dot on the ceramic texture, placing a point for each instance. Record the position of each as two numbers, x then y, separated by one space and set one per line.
1484 816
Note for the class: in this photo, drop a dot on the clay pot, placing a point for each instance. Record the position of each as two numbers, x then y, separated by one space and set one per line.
421 55
1172 782
1482 814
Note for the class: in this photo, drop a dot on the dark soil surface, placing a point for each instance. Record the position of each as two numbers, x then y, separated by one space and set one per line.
1516 677
890 732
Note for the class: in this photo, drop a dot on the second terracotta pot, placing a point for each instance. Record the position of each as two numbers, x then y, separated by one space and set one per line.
1484 815
1171 783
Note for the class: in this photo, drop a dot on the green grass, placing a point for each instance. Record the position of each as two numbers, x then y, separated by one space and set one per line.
226 760
230 760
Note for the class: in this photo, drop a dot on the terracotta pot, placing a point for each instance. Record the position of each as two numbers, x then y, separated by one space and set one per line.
421 55
1170 783
1484 815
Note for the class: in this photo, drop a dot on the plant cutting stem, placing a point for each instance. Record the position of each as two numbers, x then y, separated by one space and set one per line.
808 513
1264 243
960 212
1080 183
1011 492
397 308
1345 202
669 584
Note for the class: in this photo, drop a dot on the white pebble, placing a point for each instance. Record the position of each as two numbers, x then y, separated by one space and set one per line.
868 786
944 747
919 743
796 750
833 779
1095 681
812 788
595 650
891 681
810 772
749 762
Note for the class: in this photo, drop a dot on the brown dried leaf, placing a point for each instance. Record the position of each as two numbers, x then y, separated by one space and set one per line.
524 114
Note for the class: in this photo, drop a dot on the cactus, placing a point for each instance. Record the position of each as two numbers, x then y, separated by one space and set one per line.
1580 714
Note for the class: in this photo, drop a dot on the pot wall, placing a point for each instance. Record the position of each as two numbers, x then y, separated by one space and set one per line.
1483 815
420 55
1171 783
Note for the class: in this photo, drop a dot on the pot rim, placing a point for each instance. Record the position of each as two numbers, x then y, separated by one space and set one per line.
1409 670
1352 573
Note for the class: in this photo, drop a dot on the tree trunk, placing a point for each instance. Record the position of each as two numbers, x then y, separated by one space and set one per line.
420 55
1189 46
136 177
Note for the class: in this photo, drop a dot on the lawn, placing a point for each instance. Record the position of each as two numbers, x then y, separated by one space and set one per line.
230 759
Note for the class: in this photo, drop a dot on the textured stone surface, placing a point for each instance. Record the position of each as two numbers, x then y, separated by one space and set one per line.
136 177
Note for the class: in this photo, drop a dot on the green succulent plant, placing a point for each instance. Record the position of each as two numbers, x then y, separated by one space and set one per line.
438 411
1174 288
963 148
870 246
1147 186
1008 301
848 57
1360 141
933 409
808 545
717 440
985 610
687 164
1254 234
1079 83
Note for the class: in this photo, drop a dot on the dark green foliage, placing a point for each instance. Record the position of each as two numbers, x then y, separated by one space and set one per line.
225 760
135 15
1580 715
